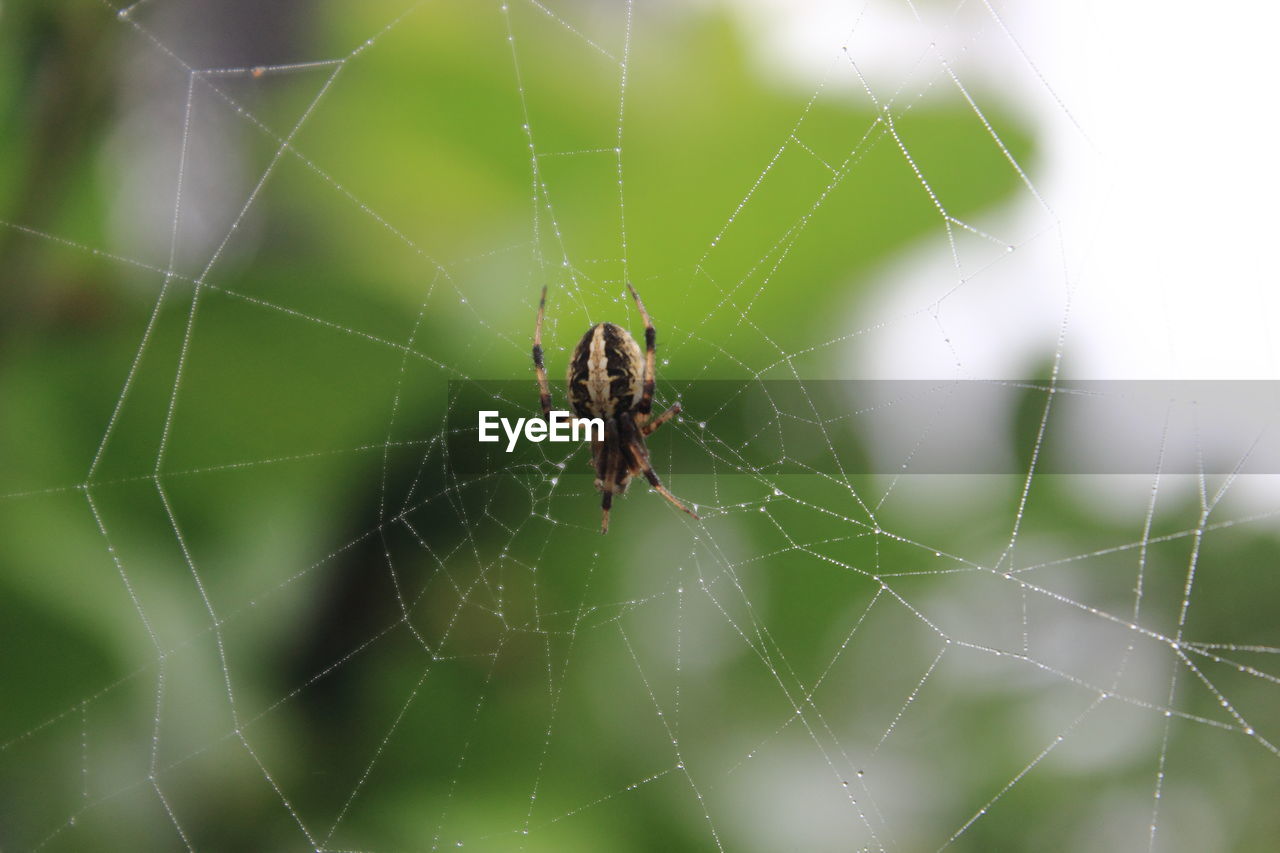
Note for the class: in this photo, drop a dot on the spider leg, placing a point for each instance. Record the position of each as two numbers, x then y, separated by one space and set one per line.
662 490
544 390
645 405
652 426
607 467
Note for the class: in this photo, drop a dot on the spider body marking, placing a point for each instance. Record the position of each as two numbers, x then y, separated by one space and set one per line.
608 378
606 373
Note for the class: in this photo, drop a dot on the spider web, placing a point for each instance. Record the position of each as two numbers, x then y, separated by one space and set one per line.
281 606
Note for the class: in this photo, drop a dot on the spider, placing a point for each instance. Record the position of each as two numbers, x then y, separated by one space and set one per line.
609 380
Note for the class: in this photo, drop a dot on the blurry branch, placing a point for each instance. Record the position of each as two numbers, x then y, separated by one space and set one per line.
62 102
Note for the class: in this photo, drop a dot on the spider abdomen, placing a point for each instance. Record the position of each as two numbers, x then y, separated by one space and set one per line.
606 373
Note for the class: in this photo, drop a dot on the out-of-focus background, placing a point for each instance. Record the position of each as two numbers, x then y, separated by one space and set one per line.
260 590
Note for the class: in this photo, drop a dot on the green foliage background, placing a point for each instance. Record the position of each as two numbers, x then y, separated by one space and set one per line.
399 243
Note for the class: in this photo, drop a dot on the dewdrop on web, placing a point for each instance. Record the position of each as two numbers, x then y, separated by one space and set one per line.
559 426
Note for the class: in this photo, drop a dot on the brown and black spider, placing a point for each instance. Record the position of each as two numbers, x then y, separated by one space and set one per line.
609 380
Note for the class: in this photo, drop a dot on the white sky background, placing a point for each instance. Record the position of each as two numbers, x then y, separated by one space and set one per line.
1156 128
1165 192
